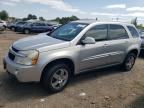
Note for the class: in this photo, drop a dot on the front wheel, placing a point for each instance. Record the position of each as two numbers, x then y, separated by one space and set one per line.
129 62
13 28
56 78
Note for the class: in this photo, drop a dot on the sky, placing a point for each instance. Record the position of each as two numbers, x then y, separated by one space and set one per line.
50 9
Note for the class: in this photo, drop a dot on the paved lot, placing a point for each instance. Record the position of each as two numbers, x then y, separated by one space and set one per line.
105 88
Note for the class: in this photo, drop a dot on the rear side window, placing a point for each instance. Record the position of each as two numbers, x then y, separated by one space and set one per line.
117 32
36 24
39 24
42 24
133 31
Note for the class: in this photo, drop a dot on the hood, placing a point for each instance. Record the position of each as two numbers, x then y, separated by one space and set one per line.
40 42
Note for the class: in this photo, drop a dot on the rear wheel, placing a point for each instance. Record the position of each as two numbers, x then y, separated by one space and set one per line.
26 31
56 78
13 28
129 62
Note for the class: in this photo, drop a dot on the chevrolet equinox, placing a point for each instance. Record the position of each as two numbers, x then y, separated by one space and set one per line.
51 58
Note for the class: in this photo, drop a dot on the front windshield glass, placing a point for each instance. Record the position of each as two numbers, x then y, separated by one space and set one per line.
68 31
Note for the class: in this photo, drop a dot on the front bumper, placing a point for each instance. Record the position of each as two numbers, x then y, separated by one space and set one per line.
21 72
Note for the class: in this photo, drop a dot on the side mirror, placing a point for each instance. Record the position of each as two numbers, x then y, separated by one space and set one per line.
89 40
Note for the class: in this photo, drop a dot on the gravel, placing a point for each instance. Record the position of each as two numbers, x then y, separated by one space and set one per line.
105 88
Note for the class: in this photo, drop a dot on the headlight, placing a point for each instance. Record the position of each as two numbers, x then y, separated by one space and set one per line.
27 57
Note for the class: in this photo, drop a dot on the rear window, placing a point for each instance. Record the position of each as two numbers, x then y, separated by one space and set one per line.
133 31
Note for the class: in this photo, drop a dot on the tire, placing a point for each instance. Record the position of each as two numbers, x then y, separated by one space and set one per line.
4 27
26 31
56 77
129 62
13 28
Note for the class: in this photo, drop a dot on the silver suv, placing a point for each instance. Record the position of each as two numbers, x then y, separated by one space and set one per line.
76 47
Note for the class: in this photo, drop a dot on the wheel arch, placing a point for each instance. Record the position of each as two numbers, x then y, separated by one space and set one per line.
67 61
135 51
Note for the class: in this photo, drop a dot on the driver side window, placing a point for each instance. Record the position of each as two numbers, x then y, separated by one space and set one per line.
99 32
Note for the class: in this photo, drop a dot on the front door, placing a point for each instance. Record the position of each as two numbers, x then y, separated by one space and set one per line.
95 55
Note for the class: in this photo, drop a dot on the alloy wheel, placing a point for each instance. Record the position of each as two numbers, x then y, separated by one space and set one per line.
59 78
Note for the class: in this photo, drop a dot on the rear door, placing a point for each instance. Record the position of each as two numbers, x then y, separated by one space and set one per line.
43 27
34 27
38 27
118 40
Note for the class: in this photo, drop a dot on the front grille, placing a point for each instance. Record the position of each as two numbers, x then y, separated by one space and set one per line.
11 56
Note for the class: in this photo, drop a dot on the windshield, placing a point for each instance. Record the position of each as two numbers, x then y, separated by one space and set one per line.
68 31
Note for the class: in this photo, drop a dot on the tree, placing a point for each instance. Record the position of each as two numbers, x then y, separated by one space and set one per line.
34 17
4 15
41 19
73 18
30 16
57 19
65 20
140 26
24 19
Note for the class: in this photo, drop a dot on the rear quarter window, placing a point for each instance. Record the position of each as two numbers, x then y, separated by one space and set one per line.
133 31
